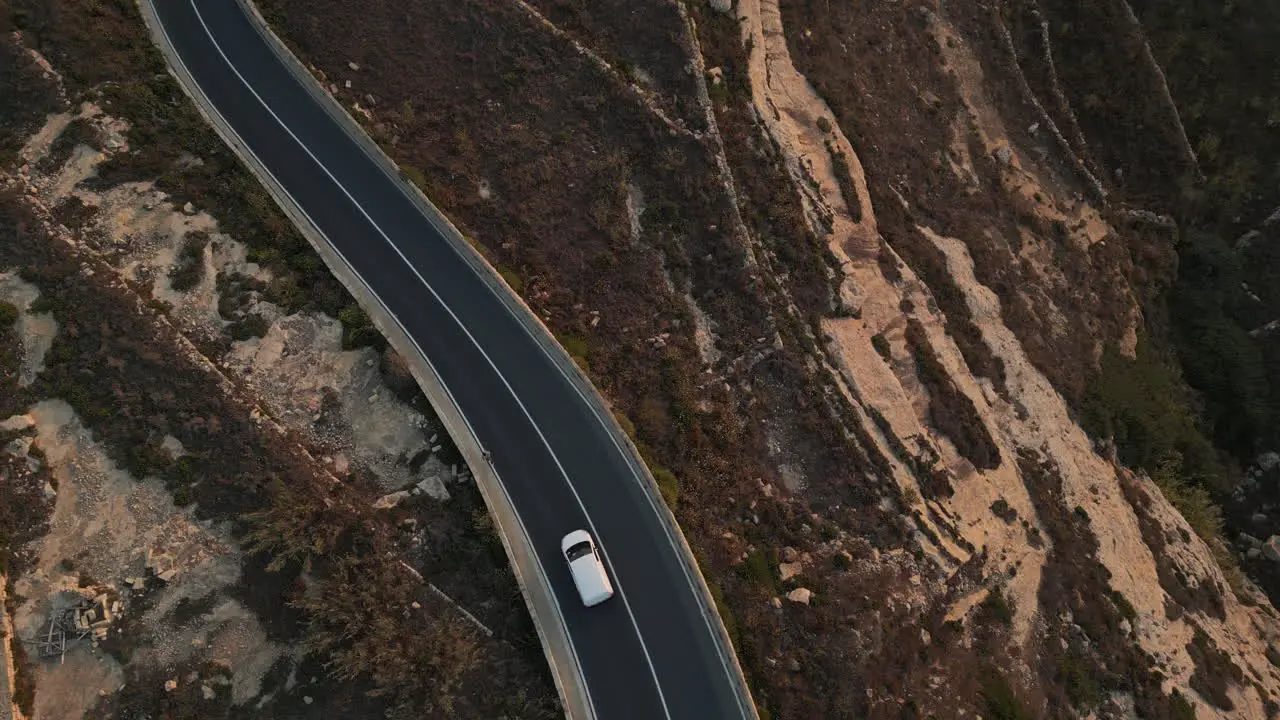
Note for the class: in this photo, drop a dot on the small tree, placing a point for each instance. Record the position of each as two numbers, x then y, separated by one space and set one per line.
297 525
364 620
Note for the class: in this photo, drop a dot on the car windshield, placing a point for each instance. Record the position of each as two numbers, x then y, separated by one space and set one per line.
578 550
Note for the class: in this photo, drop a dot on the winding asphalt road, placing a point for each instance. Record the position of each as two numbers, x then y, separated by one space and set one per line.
648 653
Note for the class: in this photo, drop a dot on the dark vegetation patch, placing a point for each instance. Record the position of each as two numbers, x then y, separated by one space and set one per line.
848 192
1001 509
144 694
465 558
1114 93
647 45
1000 701
188 266
881 346
950 410
997 607
358 330
1140 405
28 96
188 609
1230 110
1213 312
418 671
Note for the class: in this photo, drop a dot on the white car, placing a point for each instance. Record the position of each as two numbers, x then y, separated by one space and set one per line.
587 568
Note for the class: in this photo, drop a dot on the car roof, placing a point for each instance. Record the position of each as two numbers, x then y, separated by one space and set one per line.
574 538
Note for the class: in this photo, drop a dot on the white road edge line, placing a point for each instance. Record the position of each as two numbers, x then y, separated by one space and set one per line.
621 594
542 571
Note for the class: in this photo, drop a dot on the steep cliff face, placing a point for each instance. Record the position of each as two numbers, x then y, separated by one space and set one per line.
989 293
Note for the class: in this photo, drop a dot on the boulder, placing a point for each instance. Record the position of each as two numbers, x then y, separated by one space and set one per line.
391 500
721 6
788 570
17 423
1268 461
800 595
1271 548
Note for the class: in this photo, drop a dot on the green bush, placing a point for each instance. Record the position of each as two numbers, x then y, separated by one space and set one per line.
8 314
578 350
354 316
1180 707
718 92
997 607
252 325
1081 685
512 278
188 268
881 344
1000 701
357 329
42 304
415 176
668 484
1126 608
760 568
1218 357
845 179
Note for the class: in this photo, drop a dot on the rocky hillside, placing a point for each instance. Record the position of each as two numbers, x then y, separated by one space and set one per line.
217 484
893 293
949 330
